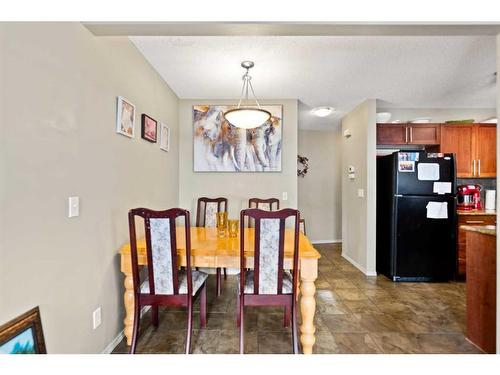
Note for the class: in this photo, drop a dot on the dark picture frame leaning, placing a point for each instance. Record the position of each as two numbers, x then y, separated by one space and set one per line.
29 322
147 134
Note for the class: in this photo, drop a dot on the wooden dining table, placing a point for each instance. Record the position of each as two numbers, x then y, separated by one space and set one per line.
210 251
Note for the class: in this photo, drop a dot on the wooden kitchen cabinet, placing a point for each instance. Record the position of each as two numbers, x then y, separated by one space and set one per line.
408 134
486 150
474 146
424 134
391 134
459 139
470 220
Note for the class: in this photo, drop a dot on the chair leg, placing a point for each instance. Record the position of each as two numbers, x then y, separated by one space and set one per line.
242 325
135 330
189 324
154 315
295 342
203 306
286 320
218 282
225 273
238 320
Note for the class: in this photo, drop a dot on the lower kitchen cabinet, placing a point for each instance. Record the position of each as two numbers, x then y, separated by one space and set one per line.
474 220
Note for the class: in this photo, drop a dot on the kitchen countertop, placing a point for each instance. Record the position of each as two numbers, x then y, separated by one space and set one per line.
476 212
490 230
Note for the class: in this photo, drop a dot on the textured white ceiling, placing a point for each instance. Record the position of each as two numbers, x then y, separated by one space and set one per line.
404 72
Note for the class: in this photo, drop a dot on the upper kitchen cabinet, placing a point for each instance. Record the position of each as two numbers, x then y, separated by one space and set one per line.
391 134
474 146
408 134
424 134
459 139
486 150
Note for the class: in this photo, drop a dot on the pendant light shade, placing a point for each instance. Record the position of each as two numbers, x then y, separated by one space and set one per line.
246 116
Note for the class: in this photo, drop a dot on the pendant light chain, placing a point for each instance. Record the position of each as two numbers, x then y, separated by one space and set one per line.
247 116
247 83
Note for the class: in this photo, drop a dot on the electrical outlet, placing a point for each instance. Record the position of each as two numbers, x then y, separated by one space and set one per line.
285 196
96 317
361 193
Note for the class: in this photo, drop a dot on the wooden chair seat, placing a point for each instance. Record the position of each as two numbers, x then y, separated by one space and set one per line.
198 278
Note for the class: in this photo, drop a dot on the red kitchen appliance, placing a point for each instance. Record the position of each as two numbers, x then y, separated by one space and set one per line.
469 197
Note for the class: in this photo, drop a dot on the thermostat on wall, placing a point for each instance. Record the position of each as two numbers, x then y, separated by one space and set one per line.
351 172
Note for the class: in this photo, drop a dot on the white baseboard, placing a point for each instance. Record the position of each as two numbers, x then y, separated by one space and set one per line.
114 343
358 266
319 242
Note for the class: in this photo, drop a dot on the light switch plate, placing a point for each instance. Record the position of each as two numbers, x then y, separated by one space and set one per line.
96 318
361 193
285 196
73 206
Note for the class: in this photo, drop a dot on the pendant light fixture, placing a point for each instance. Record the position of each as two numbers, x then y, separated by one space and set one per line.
246 116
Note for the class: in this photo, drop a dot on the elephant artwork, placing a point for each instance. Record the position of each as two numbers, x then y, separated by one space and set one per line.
221 147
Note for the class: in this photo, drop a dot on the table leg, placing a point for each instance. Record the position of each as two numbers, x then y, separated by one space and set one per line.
308 274
128 299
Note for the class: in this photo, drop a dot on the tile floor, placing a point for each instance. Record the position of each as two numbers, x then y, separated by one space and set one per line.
354 314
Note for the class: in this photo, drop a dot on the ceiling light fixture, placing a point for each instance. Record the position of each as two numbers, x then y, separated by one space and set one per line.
246 116
322 111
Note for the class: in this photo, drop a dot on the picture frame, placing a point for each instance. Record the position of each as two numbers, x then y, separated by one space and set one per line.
125 117
23 335
164 137
149 128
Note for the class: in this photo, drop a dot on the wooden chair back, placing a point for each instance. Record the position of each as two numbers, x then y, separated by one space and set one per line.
269 243
161 250
264 204
206 211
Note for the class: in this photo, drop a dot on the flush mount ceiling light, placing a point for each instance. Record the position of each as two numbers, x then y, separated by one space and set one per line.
322 111
246 116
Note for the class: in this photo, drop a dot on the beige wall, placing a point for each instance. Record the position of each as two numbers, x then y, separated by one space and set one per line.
439 114
58 100
320 190
237 187
359 213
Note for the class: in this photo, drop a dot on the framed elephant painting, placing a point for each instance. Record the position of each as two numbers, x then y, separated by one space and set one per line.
221 147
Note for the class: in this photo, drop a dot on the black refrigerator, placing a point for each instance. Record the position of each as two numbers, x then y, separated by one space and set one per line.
416 216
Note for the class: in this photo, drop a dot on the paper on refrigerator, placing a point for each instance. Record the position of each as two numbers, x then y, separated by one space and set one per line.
437 210
442 187
428 171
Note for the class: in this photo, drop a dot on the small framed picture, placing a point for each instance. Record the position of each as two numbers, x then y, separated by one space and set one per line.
23 335
164 137
149 128
125 117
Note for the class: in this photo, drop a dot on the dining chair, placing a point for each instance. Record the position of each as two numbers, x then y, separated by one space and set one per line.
264 204
269 204
303 226
268 284
166 284
206 216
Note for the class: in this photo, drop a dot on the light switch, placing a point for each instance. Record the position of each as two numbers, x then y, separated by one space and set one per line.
285 196
73 206
96 318
361 193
